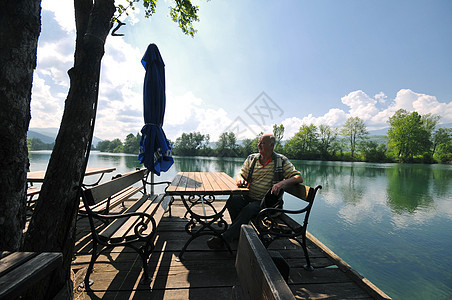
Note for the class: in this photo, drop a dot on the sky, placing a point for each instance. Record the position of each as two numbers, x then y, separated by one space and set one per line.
253 64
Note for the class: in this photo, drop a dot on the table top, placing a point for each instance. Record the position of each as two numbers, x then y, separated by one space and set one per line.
203 183
38 176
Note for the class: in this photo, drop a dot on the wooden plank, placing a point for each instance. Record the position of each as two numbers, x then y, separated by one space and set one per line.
115 200
12 259
33 190
27 274
218 179
127 227
192 183
258 275
38 176
114 226
174 183
206 183
228 181
213 182
114 186
181 187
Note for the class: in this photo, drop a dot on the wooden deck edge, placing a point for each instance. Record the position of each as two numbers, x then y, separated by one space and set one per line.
372 289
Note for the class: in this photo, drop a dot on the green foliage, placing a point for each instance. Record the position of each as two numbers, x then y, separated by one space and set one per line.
278 132
114 146
355 130
132 143
442 145
36 144
327 141
183 12
373 152
410 134
227 145
312 142
303 144
190 144
249 146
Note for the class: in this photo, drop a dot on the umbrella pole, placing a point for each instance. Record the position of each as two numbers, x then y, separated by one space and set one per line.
152 183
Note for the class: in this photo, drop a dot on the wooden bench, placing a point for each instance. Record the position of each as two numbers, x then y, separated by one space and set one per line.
111 201
274 223
32 191
134 228
258 275
21 270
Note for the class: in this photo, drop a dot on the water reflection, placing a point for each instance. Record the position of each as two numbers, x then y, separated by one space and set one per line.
404 188
409 188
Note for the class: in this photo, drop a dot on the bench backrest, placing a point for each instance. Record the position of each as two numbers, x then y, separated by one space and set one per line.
258 275
299 190
103 191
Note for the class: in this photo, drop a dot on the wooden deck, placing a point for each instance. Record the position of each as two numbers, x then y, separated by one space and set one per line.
207 274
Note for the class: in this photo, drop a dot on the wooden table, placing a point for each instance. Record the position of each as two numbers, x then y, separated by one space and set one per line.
21 270
38 176
197 191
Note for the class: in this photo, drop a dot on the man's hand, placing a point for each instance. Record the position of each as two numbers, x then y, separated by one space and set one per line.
240 181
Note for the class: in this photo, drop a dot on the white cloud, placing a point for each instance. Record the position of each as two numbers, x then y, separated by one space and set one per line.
46 109
335 117
64 13
412 101
188 113
361 105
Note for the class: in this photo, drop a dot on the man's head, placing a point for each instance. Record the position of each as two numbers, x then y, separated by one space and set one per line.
266 145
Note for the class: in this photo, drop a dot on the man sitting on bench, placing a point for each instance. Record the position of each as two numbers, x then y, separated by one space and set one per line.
260 172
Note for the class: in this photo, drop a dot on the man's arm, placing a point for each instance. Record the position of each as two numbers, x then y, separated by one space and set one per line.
280 185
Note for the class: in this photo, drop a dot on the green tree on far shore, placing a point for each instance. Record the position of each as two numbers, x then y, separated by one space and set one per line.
227 145
410 134
354 130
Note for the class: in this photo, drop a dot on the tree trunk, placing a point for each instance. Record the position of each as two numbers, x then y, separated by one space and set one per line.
52 227
20 25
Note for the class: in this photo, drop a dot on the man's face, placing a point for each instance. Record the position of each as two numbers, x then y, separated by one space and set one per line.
264 146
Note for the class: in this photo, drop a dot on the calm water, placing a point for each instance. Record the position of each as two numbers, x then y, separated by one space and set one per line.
391 222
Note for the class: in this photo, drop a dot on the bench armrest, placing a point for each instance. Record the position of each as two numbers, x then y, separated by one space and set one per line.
271 211
155 183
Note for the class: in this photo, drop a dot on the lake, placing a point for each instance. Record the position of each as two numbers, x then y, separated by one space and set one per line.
391 222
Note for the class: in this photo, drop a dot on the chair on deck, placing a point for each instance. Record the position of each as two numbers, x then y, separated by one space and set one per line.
274 223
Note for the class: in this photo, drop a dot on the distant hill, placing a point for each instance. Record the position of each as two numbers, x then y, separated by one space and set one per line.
48 135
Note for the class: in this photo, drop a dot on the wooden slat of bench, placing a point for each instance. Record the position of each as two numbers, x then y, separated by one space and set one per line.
11 259
15 282
163 202
291 223
126 227
114 201
258 275
155 206
115 225
105 190
33 190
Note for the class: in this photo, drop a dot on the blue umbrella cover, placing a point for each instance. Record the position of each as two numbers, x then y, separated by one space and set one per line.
155 149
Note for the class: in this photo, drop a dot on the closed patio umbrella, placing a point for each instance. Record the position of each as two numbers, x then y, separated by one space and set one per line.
155 149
